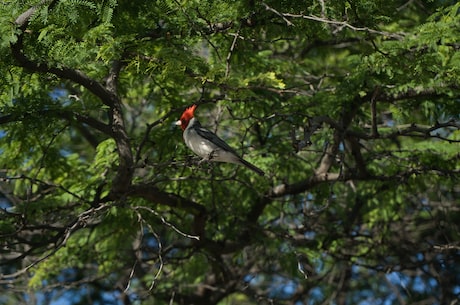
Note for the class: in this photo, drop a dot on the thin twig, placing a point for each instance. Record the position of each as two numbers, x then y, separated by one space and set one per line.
165 222
230 52
78 223
39 181
344 24
289 23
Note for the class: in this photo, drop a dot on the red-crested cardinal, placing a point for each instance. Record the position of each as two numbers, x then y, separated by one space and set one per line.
207 144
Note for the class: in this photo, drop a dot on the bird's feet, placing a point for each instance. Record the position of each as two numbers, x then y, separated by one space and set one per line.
202 161
208 158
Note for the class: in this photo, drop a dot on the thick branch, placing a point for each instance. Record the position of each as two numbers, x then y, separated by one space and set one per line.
154 195
74 75
108 96
355 148
125 170
24 18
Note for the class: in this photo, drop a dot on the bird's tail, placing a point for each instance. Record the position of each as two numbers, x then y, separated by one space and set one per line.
252 167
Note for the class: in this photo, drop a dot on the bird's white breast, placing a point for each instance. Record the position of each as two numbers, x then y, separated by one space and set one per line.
200 146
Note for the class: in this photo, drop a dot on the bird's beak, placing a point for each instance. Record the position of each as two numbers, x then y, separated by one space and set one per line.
178 123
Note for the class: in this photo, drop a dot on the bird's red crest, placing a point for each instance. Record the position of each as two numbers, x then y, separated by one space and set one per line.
186 116
190 110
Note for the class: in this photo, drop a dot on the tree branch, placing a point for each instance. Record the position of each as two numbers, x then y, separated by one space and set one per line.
60 240
151 193
268 8
412 93
58 113
397 36
108 96
321 173
375 131
411 130
75 75
125 171
23 19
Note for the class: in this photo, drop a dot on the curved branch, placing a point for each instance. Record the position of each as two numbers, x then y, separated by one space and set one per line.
108 95
58 113
151 193
23 19
75 75
60 240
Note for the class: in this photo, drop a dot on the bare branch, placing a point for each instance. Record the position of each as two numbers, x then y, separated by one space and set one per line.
142 221
412 130
24 18
397 36
165 222
447 247
80 221
230 52
268 8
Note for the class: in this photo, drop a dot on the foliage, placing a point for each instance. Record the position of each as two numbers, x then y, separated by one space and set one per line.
351 108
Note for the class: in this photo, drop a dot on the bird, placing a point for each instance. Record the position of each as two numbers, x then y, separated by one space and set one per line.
207 144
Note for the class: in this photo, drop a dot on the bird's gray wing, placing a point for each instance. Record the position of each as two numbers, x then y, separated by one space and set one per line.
210 136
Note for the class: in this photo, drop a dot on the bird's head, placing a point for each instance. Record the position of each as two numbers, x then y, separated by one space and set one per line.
186 117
